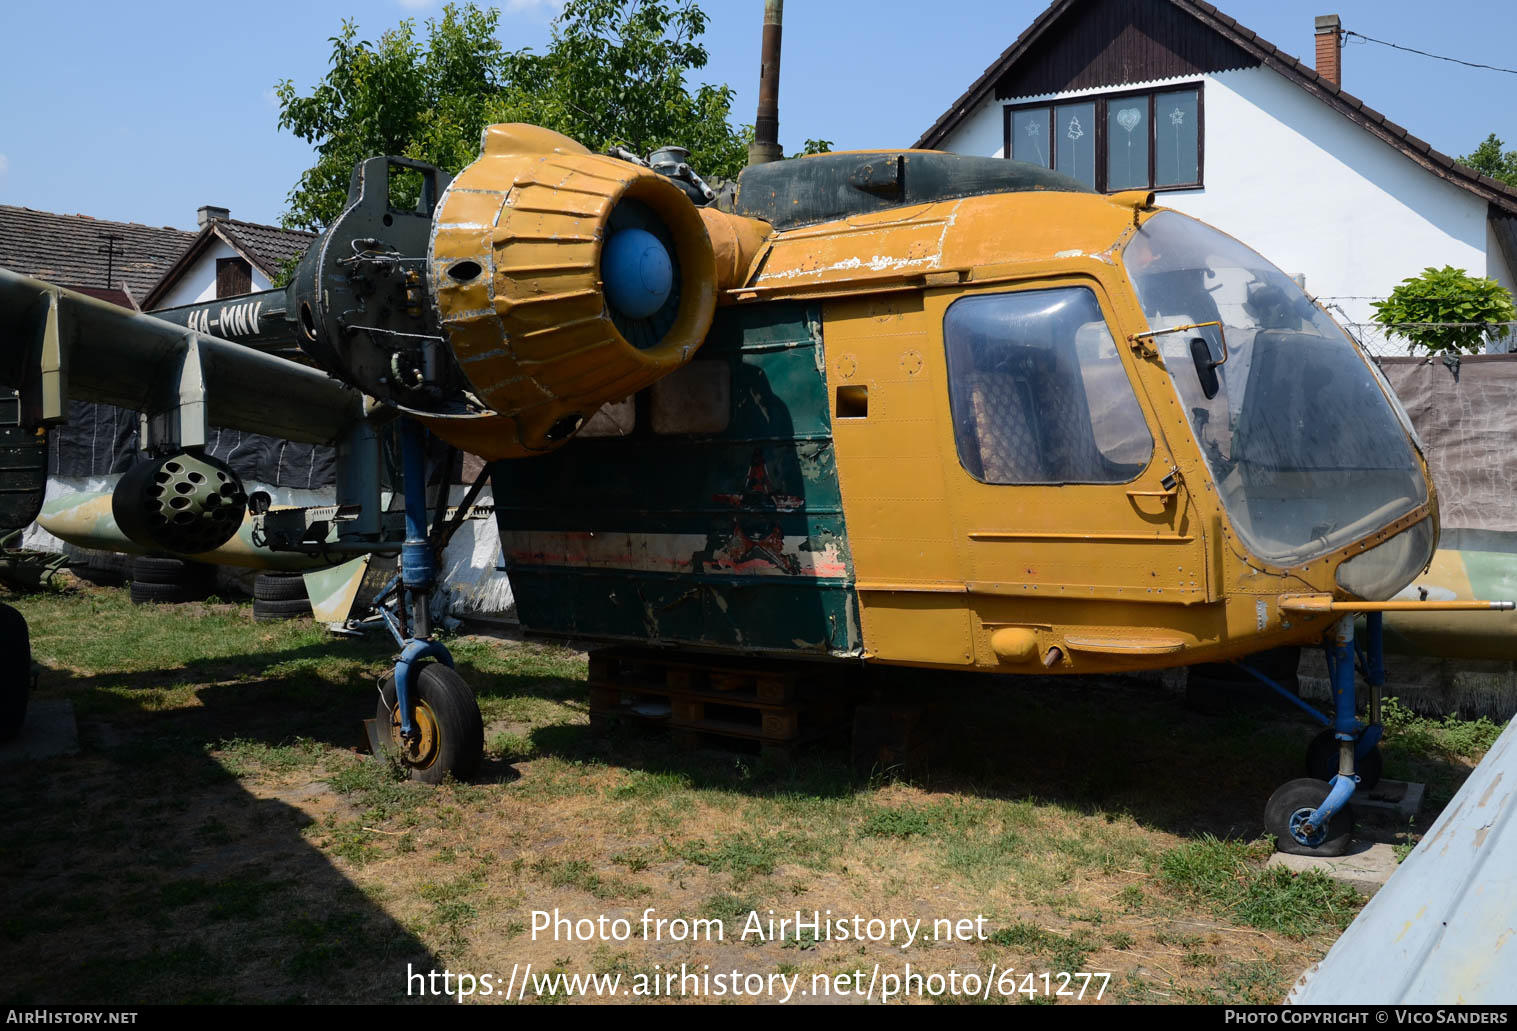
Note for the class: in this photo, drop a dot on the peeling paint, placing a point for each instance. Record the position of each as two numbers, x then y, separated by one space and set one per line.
1488 792
875 263
814 329
676 553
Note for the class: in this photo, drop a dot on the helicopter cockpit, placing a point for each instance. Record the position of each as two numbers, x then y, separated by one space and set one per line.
1308 451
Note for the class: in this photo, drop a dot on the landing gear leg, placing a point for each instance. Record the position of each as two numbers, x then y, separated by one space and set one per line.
1308 816
427 716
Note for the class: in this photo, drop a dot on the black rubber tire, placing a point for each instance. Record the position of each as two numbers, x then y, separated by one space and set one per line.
151 569
1322 761
166 594
1306 793
449 704
279 586
15 642
93 569
267 611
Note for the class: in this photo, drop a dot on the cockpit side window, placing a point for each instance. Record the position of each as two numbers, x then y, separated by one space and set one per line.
1038 390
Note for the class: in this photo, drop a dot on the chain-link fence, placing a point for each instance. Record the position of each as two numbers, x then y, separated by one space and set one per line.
1356 314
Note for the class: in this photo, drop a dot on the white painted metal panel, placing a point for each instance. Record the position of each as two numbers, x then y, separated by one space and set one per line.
1442 929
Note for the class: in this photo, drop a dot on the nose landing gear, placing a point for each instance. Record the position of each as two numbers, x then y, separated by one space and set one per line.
1309 816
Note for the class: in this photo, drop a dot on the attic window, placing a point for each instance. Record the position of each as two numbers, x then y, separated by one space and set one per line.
1135 140
233 276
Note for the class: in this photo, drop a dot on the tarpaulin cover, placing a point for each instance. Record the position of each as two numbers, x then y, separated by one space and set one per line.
1467 417
101 439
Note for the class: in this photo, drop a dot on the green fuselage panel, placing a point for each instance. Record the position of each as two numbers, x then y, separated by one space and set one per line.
715 521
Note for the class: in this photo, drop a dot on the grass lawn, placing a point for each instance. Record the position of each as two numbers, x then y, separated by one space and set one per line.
220 838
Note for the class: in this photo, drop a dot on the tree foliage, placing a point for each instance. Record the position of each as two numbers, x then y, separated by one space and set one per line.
1447 309
614 74
418 98
1493 161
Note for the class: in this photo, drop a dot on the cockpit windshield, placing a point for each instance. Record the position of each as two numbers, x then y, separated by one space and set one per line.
1306 450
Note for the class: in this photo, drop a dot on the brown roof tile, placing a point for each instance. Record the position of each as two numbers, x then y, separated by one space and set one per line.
270 245
71 250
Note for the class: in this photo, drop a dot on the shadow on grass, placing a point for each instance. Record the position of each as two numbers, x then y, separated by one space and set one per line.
1092 744
141 872
148 874
1097 745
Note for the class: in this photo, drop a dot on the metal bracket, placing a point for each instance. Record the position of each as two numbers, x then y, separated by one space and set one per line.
194 424
1152 350
184 422
44 379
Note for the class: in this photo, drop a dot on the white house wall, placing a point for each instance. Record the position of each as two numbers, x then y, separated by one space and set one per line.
198 283
1497 266
982 133
1310 190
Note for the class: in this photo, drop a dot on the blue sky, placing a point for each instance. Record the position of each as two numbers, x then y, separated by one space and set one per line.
143 112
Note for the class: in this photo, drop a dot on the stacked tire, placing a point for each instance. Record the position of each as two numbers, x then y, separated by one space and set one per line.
101 568
169 581
280 596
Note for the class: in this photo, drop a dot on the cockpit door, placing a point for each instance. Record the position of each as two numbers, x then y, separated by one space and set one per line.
1066 493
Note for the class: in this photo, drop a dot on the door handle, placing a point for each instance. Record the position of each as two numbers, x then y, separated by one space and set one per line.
1170 483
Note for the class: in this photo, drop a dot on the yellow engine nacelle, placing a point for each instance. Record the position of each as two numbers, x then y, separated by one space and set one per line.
516 273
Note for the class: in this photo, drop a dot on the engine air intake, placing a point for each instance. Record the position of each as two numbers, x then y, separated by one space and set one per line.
597 278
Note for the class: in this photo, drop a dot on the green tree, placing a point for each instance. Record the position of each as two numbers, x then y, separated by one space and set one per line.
424 99
1493 161
1447 309
614 74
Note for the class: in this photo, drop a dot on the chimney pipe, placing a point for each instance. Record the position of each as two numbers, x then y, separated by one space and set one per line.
766 128
1330 48
207 212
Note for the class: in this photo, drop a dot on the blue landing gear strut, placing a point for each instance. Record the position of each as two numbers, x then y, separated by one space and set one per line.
1310 816
427 715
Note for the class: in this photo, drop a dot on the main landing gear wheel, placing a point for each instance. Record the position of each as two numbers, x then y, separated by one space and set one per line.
1285 818
450 734
1322 761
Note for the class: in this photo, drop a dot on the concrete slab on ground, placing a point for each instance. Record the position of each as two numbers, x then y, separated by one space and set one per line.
1397 798
1365 868
49 731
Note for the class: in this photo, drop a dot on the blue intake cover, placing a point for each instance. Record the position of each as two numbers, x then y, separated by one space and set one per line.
637 272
